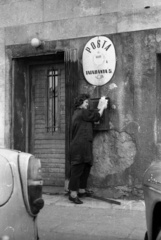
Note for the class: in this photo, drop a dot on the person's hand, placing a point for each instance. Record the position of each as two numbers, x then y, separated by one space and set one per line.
102 103
106 103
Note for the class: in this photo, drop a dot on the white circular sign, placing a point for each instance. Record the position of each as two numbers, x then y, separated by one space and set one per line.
99 60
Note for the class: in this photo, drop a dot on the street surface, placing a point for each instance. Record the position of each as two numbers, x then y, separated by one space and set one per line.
94 220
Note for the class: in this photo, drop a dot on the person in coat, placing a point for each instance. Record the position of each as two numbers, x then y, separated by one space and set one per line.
81 158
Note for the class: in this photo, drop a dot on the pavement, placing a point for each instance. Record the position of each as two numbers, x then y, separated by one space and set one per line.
61 219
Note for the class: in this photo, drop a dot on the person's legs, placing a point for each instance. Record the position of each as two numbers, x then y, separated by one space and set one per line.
84 178
76 172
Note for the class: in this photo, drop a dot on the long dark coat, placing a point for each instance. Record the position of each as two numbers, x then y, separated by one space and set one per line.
82 135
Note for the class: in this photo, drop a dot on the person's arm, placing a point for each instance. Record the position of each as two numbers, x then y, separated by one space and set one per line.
94 115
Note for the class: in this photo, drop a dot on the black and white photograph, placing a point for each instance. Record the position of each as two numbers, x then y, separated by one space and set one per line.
80 119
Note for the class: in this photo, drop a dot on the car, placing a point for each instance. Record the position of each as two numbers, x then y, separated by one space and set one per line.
152 197
21 195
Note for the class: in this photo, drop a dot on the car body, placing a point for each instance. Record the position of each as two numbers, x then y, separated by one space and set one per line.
152 196
20 195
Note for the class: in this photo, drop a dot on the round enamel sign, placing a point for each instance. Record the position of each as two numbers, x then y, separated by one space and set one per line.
99 60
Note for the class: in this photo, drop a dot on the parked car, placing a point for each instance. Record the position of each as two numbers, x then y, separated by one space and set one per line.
152 196
20 195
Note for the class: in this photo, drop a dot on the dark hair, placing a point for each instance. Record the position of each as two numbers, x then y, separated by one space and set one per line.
78 101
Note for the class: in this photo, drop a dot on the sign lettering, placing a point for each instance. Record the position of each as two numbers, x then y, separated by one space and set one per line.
99 60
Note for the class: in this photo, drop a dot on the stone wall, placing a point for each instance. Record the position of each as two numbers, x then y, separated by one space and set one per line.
122 154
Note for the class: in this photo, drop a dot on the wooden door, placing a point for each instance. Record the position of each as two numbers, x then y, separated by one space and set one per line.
47 134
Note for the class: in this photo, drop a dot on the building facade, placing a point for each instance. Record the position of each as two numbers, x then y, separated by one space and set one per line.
41 47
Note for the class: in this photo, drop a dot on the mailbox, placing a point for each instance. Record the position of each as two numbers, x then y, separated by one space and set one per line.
21 195
103 124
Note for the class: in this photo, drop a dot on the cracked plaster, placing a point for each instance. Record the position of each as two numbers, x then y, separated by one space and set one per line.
113 153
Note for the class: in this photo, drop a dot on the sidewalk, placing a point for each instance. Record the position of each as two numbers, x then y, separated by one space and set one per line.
92 220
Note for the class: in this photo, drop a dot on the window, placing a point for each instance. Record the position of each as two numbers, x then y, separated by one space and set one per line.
52 101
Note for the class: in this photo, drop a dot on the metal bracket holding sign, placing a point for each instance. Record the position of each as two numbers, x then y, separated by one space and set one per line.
99 60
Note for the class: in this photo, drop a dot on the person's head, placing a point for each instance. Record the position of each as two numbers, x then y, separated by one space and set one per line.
82 101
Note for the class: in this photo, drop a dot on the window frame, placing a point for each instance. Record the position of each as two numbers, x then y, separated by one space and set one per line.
57 118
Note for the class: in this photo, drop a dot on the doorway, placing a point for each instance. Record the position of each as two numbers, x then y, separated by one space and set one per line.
43 89
47 119
39 113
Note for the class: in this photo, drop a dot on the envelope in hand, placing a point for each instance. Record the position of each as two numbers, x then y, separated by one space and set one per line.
102 103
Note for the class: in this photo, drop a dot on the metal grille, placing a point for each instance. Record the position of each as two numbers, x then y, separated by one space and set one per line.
52 101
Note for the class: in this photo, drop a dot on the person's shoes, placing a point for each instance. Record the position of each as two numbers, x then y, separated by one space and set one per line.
87 193
75 200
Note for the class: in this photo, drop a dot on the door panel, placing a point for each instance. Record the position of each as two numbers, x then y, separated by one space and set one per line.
19 105
47 136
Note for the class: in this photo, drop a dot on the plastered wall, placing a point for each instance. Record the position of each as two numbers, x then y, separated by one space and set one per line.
122 154
65 19
2 87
